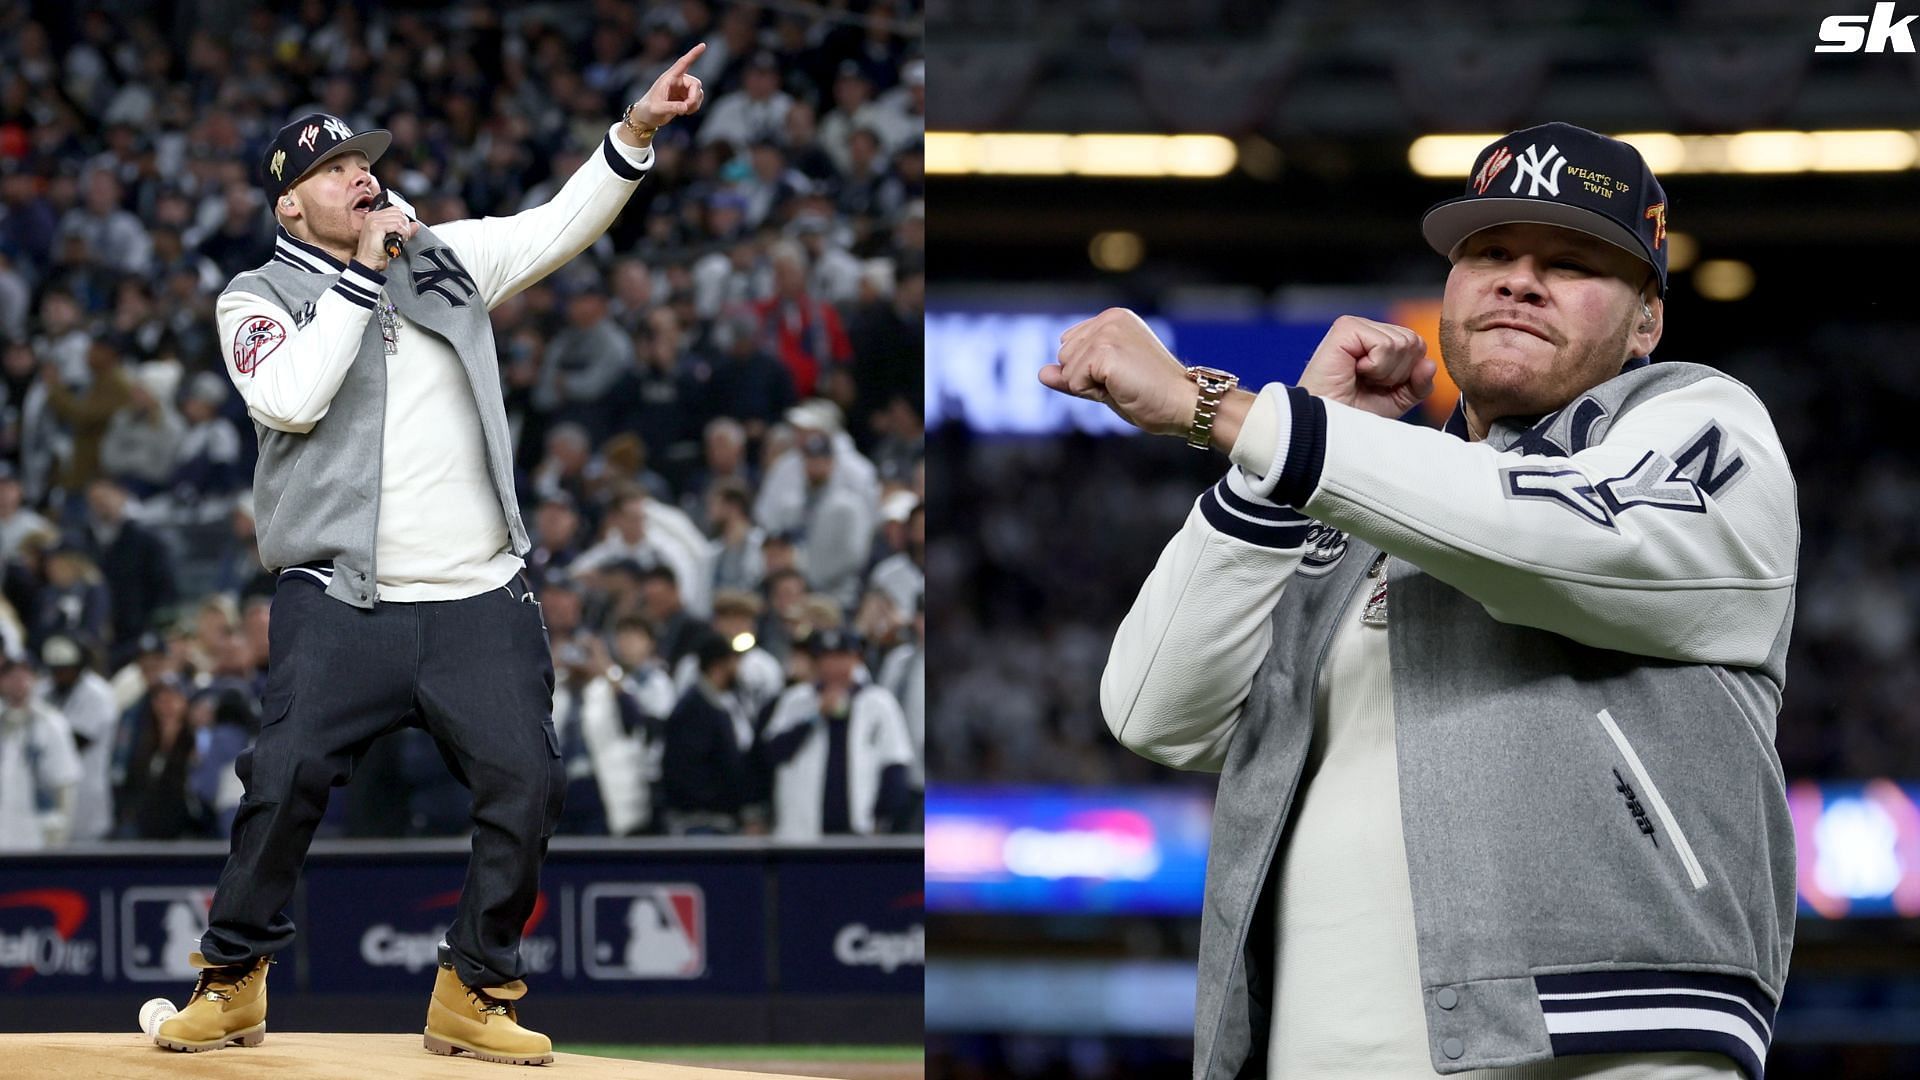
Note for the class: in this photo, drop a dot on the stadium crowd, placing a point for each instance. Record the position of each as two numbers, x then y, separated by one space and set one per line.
716 409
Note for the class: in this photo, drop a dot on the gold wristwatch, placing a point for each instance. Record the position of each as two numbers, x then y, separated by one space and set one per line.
640 131
1213 384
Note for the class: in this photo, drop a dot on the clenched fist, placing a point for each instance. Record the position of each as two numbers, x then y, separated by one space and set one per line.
1114 359
1375 366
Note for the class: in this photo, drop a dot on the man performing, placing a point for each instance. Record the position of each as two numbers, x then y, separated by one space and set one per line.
385 500
1493 707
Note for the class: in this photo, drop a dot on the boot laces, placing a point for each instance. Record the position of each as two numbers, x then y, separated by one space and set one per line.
490 1005
220 984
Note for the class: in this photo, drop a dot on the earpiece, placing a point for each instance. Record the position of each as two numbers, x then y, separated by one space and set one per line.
1646 316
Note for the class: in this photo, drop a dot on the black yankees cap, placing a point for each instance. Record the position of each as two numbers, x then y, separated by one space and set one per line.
310 140
1559 174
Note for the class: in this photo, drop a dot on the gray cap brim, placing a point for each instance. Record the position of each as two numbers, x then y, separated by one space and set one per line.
1449 223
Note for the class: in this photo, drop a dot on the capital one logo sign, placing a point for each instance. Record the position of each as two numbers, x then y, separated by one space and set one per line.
1876 33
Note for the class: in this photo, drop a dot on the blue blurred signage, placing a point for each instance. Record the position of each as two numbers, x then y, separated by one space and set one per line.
1113 851
983 367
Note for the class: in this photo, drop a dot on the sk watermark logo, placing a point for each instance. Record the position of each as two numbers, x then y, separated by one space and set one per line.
1876 33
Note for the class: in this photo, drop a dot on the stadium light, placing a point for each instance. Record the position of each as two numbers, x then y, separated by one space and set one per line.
964 153
1736 153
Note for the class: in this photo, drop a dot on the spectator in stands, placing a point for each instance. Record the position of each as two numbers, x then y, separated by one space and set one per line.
39 771
676 629
904 674
704 762
737 541
556 539
87 413
747 382
630 537
224 723
835 275
143 437
16 520
134 562
582 363
103 229
564 470
153 801
86 702
207 468
757 110
724 460
602 748
656 392
836 535
75 601
644 678
839 749
903 575
624 466
757 676
805 332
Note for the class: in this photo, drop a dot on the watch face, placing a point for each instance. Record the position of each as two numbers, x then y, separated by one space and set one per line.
1206 375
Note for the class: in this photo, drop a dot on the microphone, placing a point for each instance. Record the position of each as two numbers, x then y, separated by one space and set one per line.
392 242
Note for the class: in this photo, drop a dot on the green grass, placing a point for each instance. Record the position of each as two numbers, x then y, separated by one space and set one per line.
748 1053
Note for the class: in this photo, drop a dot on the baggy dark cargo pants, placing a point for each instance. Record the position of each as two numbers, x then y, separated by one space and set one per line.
478 675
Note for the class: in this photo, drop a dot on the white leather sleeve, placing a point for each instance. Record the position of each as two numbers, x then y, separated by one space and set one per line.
1675 535
505 255
288 373
1185 656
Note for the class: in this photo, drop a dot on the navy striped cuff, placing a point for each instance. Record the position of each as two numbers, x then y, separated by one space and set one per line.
1277 527
360 284
1615 1012
1306 449
621 167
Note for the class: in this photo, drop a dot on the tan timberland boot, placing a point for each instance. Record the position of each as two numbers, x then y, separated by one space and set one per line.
228 1005
462 1019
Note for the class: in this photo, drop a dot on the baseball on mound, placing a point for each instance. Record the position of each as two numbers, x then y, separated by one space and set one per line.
153 1014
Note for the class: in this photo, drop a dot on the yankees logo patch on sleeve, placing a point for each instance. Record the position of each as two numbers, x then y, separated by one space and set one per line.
255 341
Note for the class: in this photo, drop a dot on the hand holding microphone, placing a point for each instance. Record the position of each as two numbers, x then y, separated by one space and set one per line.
387 227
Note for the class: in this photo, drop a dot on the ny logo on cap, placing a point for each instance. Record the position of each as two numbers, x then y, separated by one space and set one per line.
1543 170
337 129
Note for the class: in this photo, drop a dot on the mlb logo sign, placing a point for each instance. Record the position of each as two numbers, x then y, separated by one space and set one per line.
160 926
632 930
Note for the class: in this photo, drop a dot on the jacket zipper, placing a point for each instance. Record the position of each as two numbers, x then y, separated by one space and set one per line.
1695 874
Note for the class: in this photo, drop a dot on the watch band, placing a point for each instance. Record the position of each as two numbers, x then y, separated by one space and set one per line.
639 130
1213 384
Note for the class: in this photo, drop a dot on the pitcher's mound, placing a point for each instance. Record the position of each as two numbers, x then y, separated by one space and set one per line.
300 1055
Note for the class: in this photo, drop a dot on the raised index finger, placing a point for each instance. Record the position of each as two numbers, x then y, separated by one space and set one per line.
681 65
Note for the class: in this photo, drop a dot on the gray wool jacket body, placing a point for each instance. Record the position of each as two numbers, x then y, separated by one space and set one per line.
1588 626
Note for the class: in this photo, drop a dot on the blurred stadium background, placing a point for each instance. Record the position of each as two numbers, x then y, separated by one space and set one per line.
1276 170
756 307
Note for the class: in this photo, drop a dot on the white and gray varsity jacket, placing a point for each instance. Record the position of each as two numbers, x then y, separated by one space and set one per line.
306 352
1609 588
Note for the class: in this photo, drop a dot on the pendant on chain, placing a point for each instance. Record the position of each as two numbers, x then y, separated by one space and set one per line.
389 327
1375 613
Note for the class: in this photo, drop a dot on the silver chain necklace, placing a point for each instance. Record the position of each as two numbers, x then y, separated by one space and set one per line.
389 325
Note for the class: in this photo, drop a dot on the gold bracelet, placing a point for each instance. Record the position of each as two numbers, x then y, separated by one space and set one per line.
640 131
